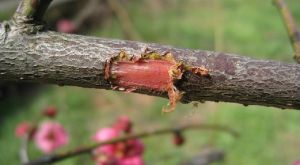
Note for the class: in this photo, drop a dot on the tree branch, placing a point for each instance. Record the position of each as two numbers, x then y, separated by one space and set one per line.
66 59
88 149
291 27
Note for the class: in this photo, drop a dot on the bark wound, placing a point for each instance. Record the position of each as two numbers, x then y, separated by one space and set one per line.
151 72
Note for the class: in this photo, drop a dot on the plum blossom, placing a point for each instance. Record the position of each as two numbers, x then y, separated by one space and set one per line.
123 124
105 134
128 152
297 162
65 26
135 160
23 129
134 147
50 136
106 160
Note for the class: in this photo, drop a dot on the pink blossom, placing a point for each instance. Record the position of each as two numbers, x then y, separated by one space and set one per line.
106 160
50 136
134 147
24 128
135 160
297 162
123 124
127 152
65 26
105 134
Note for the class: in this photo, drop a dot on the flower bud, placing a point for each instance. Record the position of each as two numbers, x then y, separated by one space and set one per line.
50 112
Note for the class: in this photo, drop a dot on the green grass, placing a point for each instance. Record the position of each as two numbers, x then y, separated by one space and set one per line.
253 28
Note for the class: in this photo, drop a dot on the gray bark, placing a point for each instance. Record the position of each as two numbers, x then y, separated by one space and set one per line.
65 59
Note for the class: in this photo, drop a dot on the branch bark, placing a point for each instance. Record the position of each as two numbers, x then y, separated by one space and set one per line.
65 59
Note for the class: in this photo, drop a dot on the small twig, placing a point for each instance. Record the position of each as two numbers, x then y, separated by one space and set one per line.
124 19
24 149
291 26
87 10
42 7
28 16
31 10
87 149
7 5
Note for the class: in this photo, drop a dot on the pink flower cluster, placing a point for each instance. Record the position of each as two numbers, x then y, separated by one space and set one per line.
48 136
51 135
123 153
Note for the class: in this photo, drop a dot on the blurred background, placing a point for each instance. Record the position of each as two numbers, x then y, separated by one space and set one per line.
251 28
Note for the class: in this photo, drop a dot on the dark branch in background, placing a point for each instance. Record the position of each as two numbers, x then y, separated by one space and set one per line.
115 7
7 5
87 10
291 27
88 149
37 55
123 16
206 157
31 10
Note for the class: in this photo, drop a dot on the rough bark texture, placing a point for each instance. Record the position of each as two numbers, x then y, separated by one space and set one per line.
64 59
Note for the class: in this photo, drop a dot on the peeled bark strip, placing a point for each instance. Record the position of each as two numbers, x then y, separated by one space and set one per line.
151 72
64 59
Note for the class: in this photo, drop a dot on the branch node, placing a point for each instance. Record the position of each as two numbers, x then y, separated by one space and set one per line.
28 16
